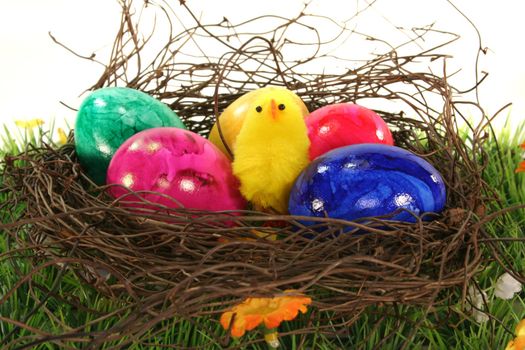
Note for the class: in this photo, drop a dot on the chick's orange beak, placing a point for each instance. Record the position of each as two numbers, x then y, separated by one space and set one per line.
273 108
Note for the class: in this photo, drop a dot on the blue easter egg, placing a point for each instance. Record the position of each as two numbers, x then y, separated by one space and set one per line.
367 180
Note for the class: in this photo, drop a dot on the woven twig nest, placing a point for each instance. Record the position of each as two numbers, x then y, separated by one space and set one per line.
202 263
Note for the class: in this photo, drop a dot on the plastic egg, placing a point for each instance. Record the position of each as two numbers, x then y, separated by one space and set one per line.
108 117
368 180
345 124
232 119
177 163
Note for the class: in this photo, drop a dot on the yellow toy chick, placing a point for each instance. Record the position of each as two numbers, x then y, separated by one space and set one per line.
271 149
232 118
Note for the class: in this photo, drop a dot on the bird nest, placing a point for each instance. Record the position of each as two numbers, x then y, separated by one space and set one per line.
207 261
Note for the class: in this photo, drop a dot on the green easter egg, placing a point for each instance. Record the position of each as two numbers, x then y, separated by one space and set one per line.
108 117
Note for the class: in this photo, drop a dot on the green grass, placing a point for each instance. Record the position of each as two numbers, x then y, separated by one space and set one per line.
439 329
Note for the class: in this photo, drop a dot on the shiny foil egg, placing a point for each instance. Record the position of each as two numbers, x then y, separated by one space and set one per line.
368 180
108 117
344 124
177 163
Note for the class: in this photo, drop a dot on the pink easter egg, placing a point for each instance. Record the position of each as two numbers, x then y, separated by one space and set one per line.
176 163
345 124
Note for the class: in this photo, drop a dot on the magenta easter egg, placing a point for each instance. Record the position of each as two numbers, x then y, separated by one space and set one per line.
177 163
345 124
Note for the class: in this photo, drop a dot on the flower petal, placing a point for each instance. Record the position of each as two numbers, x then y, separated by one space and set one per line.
252 321
521 167
226 319
480 316
303 308
291 311
507 286
476 298
520 329
62 137
273 320
238 331
29 124
519 343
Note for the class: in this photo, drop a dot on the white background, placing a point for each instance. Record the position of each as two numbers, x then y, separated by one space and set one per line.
35 73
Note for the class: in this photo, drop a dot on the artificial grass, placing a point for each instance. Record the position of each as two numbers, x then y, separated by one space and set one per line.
437 329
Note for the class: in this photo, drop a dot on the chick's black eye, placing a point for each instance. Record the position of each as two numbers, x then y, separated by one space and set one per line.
281 107
258 109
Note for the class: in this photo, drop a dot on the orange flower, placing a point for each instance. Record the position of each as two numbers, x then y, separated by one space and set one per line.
271 311
521 167
519 342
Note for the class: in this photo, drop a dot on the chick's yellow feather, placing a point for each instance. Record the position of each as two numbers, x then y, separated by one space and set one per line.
232 118
271 150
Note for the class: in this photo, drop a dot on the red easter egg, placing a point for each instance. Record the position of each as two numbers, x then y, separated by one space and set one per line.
344 124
